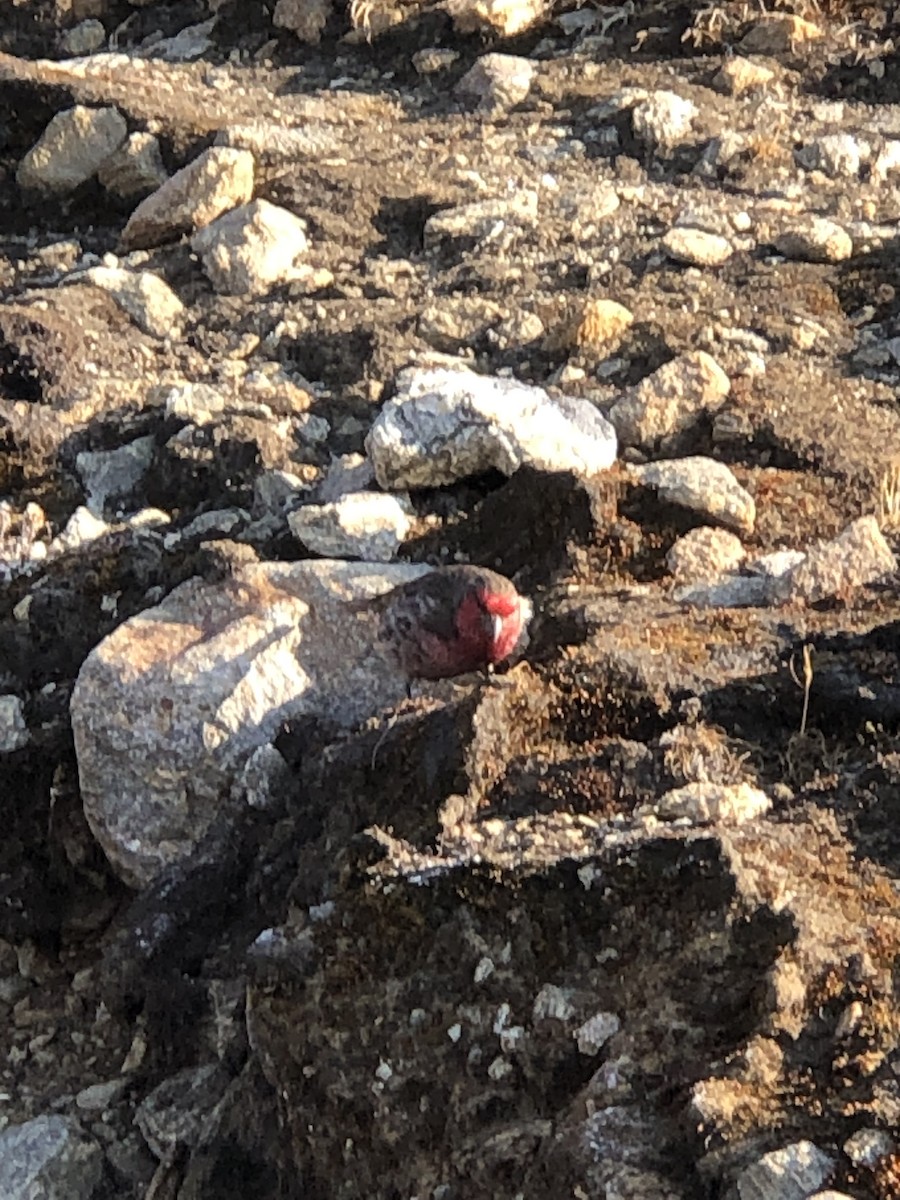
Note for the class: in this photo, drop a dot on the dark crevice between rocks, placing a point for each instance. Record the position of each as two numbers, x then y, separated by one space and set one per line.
337 359
529 528
401 221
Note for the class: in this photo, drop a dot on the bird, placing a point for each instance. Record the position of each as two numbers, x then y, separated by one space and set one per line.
453 620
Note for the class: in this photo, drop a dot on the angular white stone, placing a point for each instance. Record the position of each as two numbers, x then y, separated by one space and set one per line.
857 556
219 179
251 248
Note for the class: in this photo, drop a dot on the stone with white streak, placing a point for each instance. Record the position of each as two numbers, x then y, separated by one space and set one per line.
249 250
368 525
168 708
447 423
703 485
72 149
670 400
857 556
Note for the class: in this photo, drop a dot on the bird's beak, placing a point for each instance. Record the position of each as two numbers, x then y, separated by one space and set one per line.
496 626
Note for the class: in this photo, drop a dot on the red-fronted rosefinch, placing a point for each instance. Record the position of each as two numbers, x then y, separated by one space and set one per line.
452 620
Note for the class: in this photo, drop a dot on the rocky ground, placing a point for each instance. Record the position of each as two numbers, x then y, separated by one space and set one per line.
619 921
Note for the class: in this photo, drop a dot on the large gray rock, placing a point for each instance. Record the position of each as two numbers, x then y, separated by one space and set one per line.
168 708
447 423
49 1158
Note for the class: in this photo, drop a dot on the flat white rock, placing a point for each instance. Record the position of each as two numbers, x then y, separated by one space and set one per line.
447 423
168 708
369 525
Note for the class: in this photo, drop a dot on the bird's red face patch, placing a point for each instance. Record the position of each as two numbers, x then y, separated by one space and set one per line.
489 624
500 605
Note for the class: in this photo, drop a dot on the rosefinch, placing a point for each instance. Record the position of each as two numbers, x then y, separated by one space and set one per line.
452 620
